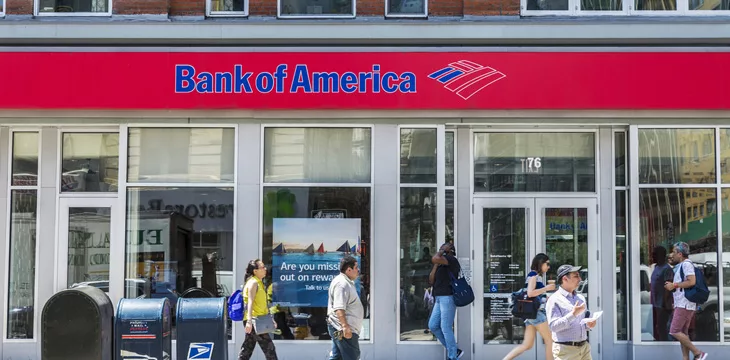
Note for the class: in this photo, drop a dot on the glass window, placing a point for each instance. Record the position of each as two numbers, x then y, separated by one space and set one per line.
316 8
179 243
25 159
418 156
77 6
661 160
88 246
705 5
90 162
622 275
547 5
725 155
224 6
21 284
317 155
726 261
407 7
181 155
450 158
620 158
655 5
601 5
540 162
664 221
306 230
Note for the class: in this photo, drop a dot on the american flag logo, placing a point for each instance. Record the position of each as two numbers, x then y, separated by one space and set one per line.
466 78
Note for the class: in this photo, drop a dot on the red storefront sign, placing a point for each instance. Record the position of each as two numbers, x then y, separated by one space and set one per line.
365 80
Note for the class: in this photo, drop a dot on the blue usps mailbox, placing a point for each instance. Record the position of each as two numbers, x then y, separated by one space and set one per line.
202 329
142 330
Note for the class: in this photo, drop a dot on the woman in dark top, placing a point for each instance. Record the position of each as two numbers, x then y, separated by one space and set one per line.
444 310
536 288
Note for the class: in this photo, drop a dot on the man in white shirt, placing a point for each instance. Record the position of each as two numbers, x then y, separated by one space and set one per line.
684 310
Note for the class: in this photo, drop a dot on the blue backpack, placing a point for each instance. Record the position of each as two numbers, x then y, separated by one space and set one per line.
236 307
699 293
463 294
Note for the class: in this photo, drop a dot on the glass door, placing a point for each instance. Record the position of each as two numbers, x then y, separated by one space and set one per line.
87 238
508 233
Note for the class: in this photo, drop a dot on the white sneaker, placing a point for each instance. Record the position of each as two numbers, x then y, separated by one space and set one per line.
703 356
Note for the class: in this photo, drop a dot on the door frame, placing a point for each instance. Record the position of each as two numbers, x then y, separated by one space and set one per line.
534 205
116 244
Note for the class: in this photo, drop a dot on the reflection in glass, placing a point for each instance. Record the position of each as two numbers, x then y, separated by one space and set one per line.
725 155
22 265
622 275
317 155
620 158
450 157
179 243
655 5
79 6
227 5
406 7
566 242
418 156
705 5
25 159
666 217
547 5
540 162
505 239
90 162
726 261
676 156
601 5
89 231
181 155
308 323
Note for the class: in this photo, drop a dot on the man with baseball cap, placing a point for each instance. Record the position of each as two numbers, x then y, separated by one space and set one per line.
565 310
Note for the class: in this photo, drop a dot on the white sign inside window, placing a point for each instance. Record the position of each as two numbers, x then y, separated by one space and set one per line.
531 165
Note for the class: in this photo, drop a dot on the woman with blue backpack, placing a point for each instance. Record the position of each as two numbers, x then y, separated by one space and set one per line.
536 289
257 320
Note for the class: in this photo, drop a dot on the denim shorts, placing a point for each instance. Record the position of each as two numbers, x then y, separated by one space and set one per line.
541 318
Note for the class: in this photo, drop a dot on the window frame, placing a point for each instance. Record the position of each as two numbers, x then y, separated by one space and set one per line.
634 229
441 188
627 10
615 188
423 15
209 12
262 189
279 15
124 186
9 230
61 131
37 11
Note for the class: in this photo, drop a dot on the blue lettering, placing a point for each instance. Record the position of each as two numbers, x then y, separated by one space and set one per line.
408 83
184 78
301 80
348 82
376 79
280 74
364 77
223 78
242 80
325 82
205 83
388 85
264 82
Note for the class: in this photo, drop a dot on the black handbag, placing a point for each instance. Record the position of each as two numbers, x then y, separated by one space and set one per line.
463 294
523 306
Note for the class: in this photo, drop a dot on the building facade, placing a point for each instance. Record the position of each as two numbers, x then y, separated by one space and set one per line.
153 148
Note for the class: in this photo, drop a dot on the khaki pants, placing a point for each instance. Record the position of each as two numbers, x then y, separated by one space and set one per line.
567 352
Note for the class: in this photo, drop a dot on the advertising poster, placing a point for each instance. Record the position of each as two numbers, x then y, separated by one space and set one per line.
306 257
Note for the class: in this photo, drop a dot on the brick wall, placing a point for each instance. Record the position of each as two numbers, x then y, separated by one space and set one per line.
134 7
268 7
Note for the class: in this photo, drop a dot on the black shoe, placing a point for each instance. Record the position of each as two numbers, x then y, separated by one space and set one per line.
459 353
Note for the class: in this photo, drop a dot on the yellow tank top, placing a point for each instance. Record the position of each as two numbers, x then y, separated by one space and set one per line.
259 302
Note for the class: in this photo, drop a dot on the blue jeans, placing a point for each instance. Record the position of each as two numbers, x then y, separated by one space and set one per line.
442 322
345 349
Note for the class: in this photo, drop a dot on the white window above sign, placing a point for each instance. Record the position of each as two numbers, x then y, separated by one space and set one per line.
624 7
73 7
226 8
297 9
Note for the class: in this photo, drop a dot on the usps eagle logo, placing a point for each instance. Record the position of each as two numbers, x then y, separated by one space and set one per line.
198 351
466 78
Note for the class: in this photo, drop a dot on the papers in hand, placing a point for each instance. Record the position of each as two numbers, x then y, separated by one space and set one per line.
595 316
